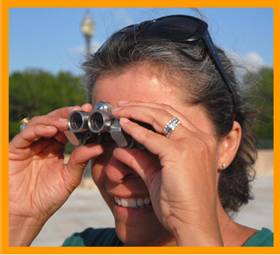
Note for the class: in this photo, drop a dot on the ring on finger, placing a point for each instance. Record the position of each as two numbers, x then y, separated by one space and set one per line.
23 123
170 126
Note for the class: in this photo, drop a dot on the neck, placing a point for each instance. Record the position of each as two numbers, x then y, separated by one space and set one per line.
233 234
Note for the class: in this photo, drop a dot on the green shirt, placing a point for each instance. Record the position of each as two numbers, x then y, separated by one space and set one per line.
108 237
263 237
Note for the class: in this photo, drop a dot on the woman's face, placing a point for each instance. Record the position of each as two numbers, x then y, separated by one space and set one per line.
115 180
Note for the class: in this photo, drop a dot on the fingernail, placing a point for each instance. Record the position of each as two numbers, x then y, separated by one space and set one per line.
124 120
122 102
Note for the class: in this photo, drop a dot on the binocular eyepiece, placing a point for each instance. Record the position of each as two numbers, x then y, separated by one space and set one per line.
97 121
98 126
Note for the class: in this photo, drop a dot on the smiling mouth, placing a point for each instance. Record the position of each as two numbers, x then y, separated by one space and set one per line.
133 202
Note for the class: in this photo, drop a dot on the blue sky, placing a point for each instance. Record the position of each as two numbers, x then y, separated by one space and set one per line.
50 38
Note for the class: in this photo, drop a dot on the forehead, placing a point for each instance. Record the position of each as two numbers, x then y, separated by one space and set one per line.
145 83
137 83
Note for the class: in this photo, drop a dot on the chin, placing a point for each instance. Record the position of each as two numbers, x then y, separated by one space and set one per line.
136 234
139 227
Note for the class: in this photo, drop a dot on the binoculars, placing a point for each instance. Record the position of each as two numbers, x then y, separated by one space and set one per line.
98 126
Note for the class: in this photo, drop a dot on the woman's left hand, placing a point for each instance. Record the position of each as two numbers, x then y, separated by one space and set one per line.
183 183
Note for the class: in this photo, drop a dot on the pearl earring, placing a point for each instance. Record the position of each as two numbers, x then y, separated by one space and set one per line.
223 166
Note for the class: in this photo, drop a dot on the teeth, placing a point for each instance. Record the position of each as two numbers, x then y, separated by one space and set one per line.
140 202
132 202
118 200
147 201
124 202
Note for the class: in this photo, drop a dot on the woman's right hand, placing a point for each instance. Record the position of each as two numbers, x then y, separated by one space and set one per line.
39 180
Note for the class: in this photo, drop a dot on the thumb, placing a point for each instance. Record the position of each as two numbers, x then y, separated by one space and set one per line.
78 161
141 162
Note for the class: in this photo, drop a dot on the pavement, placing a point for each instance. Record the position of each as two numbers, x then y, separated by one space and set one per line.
86 208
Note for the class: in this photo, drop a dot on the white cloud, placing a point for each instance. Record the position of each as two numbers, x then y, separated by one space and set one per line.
251 61
254 61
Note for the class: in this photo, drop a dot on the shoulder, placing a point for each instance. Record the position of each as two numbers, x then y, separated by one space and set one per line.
263 237
94 237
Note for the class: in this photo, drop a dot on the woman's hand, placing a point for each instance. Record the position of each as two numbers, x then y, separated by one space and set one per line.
183 182
39 180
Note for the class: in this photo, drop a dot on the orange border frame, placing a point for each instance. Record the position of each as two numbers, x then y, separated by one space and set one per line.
4 104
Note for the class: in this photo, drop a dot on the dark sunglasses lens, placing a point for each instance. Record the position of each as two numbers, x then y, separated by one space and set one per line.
175 28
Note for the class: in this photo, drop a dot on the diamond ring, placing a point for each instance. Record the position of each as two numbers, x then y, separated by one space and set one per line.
171 126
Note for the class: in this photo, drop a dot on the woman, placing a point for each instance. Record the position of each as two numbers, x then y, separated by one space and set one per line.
196 165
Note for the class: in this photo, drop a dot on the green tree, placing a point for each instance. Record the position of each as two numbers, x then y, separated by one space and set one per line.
261 94
36 92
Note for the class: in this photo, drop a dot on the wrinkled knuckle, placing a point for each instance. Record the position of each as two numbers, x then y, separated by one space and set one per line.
163 112
166 107
154 123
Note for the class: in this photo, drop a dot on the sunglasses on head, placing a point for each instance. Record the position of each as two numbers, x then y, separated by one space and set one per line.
183 29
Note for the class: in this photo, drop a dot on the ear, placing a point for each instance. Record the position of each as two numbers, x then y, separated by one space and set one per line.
228 146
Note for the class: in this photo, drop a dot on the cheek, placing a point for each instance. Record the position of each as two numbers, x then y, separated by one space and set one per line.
99 177
98 174
98 166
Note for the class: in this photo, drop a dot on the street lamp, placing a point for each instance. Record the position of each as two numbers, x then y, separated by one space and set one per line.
87 28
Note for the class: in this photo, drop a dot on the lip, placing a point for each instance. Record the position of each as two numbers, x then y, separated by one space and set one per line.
128 189
128 211
127 196
131 214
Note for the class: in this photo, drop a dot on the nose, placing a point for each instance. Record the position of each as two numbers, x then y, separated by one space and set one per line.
117 172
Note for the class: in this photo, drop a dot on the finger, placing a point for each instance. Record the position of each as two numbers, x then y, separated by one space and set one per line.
156 117
157 106
32 134
79 159
42 147
52 147
64 111
87 107
61 138
153 142
23 153
60 123
144 164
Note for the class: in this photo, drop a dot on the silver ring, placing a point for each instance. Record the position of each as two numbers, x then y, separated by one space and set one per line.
171 126
23 123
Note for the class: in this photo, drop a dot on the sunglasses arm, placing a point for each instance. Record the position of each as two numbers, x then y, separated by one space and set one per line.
215 58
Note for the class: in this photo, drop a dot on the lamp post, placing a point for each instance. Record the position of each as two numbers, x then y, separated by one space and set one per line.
87 28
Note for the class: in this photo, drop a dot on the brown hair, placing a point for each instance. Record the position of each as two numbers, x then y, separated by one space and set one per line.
206 88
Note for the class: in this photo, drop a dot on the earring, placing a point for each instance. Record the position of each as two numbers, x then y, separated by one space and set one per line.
223 166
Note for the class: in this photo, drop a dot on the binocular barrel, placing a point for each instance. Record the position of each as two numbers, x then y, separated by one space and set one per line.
96 121
98 126
78 121
99 121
